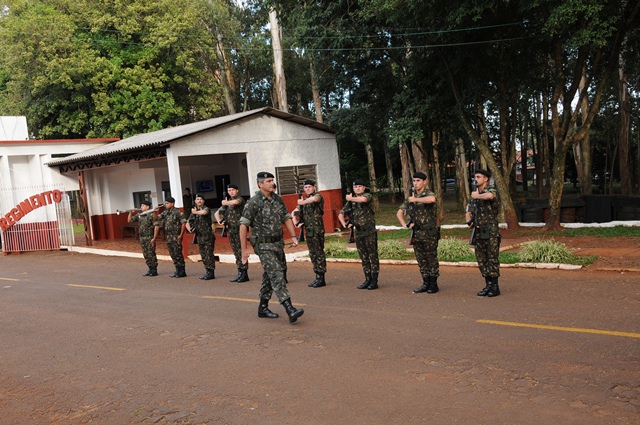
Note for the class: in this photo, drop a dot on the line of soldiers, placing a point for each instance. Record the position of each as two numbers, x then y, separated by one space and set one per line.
265 213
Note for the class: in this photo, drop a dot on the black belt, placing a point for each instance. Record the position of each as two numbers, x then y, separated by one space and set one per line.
268 239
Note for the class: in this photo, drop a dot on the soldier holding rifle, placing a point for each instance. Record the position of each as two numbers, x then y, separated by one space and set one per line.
312 209
200 223
265 213
425 232
145 219
174 226
483 218
364 221
229 214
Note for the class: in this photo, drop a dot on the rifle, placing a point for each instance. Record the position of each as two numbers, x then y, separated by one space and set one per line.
192 225
223 216
412 238
347 210
300 212
472 239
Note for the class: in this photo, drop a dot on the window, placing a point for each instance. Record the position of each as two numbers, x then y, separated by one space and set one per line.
138 197
291 178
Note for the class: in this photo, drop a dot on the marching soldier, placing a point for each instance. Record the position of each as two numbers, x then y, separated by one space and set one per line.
147 240
174 226
203 229
483 216
423 220
364 220
231 210
311 210
265 213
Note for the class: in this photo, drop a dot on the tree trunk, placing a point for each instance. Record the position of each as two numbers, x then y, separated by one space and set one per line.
405 160
280 84
557 186
372 176
462 175
226 79
582 150
390 176
437 186
623 134
317 102
420 159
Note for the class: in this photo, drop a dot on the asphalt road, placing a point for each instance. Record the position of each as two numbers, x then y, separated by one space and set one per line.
86 339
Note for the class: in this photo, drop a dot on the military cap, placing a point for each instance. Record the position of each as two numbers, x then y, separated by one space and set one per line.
147 203
420 175
309 181
170 199
199 196
232 186
358 182
483 172
265 175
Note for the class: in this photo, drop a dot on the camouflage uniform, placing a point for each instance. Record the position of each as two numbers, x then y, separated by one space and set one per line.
206 237
314 227
487 234
232 217
146 234
366 235
265 217
173 220
426 234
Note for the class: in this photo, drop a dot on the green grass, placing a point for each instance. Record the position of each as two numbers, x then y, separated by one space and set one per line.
78 229
600 232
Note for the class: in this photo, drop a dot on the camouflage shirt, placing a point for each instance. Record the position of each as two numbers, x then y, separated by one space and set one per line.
423 215
362 214
233 213
146 224
312 213
486 211
173 220
203 225
265 216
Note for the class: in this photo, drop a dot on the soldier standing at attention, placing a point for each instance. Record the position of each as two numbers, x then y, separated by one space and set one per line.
206 238
364 220
145 220
423 215
312 208
231 209
485 221
265 213
174 225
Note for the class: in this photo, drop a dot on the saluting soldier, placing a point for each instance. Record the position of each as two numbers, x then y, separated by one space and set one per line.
363 218
203 229
231 209
145 221
488 236
174 226
312 209
265 213
423 215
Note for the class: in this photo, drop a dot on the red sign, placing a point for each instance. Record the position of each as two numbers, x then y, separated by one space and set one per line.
28 205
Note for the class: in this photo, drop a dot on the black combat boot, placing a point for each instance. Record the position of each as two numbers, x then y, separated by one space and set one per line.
494 289
292 312
366 283
176 273
210 274
311 284
152 272
424 287
263 310
319 282
244 276
148 273
238 276
485 290
433 285
374 282
181 272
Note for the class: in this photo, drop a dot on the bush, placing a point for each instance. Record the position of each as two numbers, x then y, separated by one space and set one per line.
335 249
392 250
454 249
548 251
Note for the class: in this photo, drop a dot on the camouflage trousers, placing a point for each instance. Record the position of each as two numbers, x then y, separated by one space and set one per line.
427 256
368 250
175 251
274 265
315 243
487 252
234 241
206 253
149 252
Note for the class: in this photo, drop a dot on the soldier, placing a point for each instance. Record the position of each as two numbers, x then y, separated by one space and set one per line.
187 200
200 223
482 214
147 240
265 212
174 225
231 210
312 209
364 220
423 220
